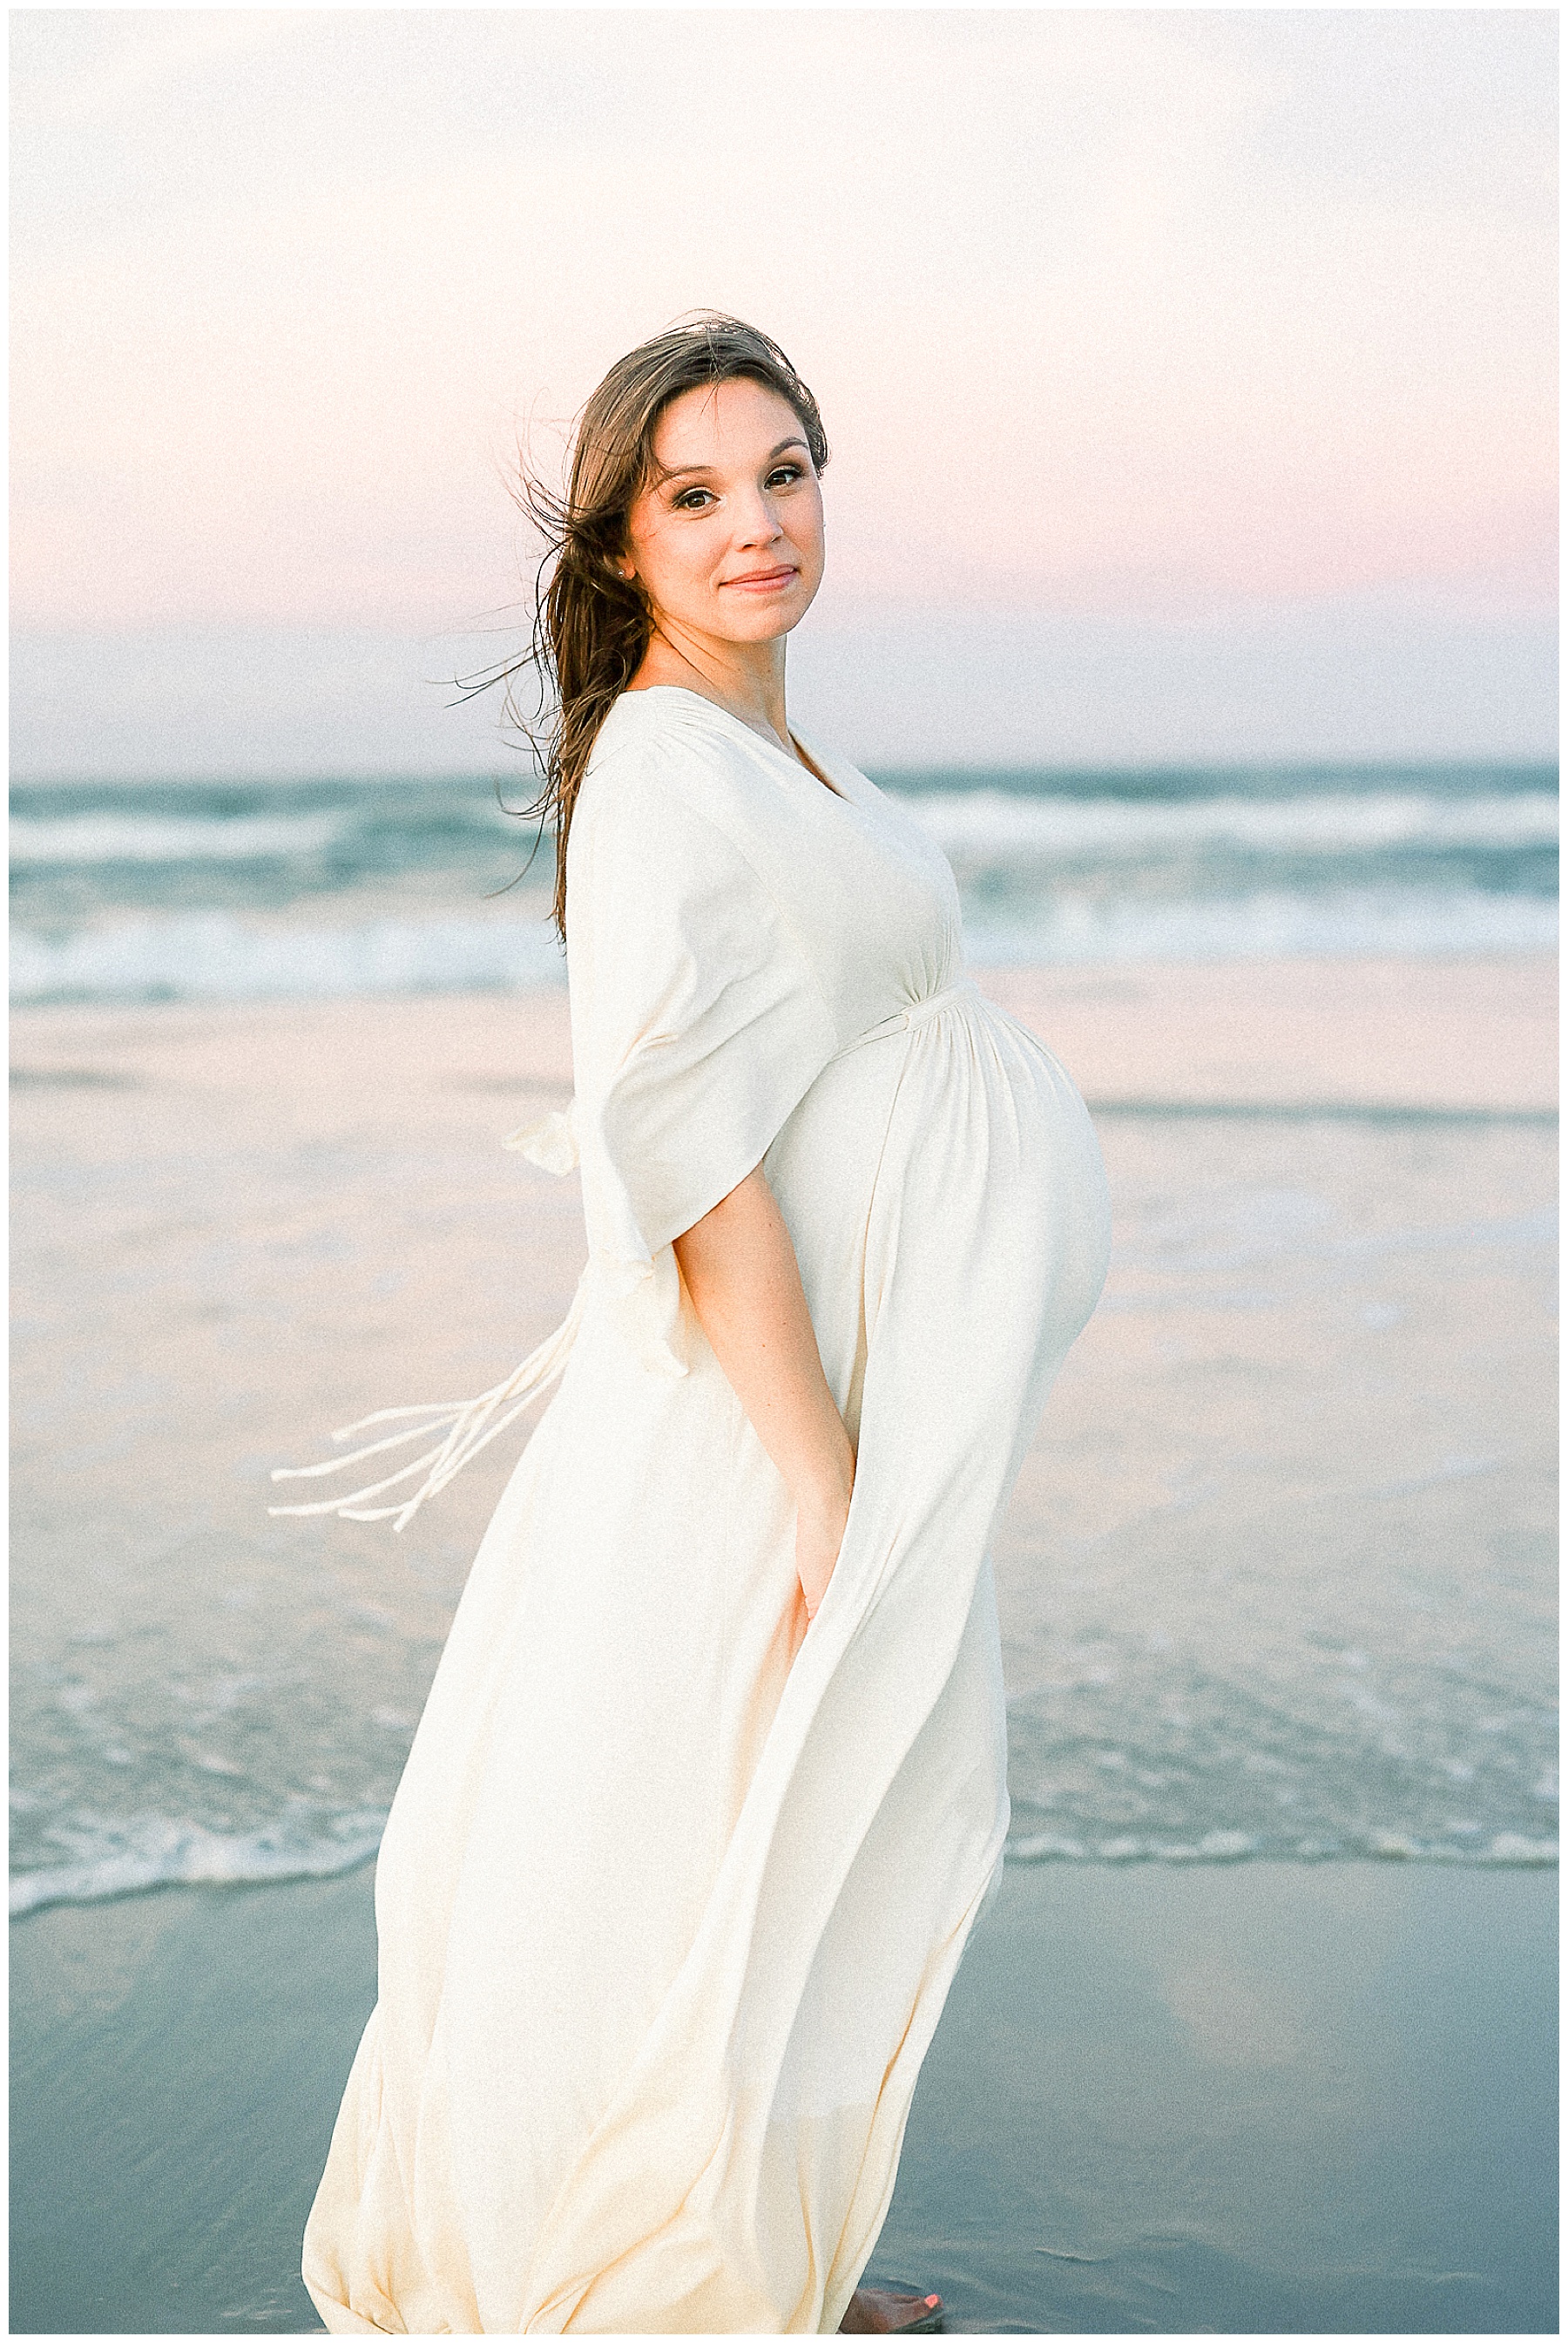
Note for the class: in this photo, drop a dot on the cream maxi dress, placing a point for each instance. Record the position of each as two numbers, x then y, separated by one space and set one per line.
673 1887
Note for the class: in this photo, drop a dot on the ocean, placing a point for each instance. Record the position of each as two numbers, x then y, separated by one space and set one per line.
190 890
1278 1579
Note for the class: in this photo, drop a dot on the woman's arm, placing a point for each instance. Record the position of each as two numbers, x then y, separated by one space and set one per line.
740 1271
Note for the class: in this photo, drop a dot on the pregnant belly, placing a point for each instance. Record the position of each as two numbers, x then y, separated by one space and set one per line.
992 1189
958 1156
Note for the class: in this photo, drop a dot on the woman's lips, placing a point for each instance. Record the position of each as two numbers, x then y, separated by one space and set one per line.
761 581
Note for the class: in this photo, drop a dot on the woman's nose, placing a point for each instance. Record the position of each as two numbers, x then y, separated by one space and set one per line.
755 522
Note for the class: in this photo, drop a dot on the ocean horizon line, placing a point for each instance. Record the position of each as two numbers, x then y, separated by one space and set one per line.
1075 774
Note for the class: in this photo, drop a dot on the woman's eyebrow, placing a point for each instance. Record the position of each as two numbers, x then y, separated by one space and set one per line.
681 471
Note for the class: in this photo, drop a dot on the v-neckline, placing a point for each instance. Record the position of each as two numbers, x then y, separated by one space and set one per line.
814 772
808 764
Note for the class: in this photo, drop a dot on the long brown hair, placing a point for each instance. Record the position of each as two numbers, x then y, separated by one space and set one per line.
592 626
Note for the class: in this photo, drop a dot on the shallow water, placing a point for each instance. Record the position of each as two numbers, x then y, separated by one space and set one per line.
1276 1580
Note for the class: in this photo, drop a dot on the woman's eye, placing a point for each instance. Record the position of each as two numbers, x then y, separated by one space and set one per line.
696 499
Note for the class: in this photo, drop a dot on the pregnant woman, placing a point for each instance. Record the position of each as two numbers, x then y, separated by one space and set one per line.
711 1782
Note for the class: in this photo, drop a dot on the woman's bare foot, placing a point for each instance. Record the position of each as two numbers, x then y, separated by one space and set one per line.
874 2311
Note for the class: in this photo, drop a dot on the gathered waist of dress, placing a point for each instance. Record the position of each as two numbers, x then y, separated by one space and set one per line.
917 1012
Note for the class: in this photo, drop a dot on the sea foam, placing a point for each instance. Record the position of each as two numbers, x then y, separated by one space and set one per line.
149 1850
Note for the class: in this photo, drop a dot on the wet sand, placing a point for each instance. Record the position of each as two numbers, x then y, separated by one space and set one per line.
1271 2097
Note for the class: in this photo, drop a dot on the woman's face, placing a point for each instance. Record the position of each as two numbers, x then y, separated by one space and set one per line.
727 540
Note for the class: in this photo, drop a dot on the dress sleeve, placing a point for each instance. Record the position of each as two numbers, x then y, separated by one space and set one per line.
698 1026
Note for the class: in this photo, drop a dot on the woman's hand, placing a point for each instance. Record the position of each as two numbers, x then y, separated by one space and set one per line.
820 1518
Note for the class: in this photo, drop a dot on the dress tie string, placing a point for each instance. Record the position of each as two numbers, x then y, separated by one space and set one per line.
470 1424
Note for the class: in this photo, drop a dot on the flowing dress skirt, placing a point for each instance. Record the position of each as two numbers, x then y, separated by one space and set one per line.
673 1889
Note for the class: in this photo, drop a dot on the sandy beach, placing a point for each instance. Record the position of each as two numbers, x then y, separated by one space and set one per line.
1276 1579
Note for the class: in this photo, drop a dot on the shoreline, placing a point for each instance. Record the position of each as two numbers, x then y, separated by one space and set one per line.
212 1870
1263 2097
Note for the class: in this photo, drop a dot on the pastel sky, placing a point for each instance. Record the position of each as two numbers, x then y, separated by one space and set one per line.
1136 320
